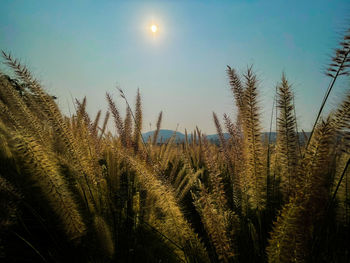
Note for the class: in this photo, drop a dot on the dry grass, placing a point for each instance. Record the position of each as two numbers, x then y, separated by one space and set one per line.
94 196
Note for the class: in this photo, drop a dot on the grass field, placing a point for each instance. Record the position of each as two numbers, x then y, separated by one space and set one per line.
71 191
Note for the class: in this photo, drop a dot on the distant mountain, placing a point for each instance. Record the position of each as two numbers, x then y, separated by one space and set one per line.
165 135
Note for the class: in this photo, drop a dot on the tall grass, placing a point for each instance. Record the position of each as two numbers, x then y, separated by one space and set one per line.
70 190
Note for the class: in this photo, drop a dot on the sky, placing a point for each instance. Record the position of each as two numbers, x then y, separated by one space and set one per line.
88 48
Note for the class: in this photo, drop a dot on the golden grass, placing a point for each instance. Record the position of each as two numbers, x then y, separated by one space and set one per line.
241 200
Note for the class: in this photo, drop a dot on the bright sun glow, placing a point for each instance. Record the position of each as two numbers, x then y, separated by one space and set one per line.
154 28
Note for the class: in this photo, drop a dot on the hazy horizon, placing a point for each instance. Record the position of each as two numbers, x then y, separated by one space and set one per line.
87 48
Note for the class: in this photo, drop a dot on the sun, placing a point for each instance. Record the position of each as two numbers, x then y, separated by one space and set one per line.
154 28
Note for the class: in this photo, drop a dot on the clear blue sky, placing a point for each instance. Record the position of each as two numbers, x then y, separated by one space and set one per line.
86 48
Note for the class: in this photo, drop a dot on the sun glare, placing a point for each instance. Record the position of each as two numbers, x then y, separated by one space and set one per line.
154 28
